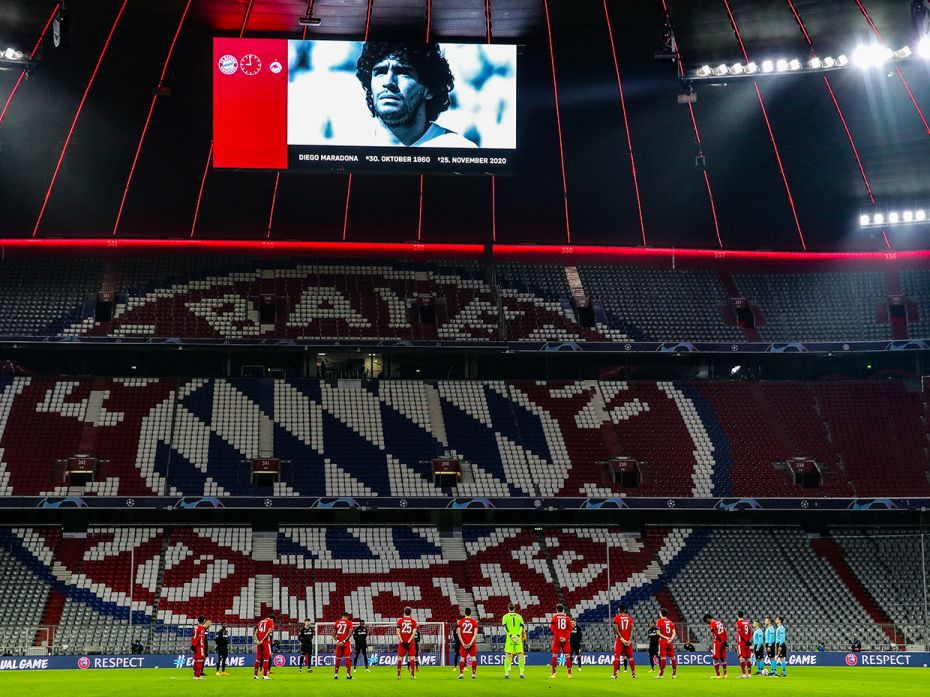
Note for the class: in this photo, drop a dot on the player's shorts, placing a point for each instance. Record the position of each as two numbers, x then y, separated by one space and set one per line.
666 648
743 649
199 655
469 652
407 648
621 649
718 649
263 651
770 650
344 651
561 647
513 646
760 653
781 651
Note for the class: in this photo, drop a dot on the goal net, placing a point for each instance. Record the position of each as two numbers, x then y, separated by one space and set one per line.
382 644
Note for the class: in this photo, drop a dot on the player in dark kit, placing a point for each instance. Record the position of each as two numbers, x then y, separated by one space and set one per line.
574 643
455 644
653 635
222 650
718 646
360 637
305 637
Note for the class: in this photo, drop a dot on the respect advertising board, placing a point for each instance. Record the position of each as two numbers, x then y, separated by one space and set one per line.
889 659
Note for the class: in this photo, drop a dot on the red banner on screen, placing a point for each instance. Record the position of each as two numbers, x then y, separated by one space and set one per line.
250 103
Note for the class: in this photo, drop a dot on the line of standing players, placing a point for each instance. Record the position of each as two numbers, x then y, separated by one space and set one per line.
751 643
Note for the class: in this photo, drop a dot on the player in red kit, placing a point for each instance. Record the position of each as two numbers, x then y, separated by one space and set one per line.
666 643
744 645
342 634
406 630
623 645
467 632
263 647
718 645
199 646
561 626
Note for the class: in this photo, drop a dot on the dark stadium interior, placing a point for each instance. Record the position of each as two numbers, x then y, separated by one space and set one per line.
825 182
664 364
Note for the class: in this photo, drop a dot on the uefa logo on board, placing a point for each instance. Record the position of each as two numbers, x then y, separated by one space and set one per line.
228 64
278 661
851 659
83 663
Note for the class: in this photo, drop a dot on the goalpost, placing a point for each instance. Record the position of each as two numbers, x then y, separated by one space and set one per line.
382 644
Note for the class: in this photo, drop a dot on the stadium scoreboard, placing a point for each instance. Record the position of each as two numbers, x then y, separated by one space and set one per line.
311 105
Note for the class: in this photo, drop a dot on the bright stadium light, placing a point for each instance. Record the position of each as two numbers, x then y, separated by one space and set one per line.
865 56
860 56
923 48
908 216
871 56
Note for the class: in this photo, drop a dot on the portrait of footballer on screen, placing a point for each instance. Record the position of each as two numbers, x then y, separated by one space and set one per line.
345 93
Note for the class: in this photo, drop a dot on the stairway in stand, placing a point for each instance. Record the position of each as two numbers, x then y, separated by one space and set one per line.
264 553
454 552
553 575
68 559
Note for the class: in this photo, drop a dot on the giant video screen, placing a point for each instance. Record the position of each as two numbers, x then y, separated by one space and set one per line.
364 106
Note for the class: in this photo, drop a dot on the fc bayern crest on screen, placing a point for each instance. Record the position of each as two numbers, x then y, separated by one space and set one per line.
228 64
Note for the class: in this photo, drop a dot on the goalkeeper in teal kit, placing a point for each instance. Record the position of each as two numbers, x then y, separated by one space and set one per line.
515 632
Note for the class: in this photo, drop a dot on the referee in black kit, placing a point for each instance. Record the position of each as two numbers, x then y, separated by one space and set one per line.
305 637
653 648
574 644
360 637
222 649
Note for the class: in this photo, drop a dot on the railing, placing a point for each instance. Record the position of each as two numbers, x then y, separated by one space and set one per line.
118 637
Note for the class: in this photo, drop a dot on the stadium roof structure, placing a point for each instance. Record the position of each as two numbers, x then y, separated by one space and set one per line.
790 167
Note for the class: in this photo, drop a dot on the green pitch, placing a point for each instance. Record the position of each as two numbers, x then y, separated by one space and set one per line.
381 682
